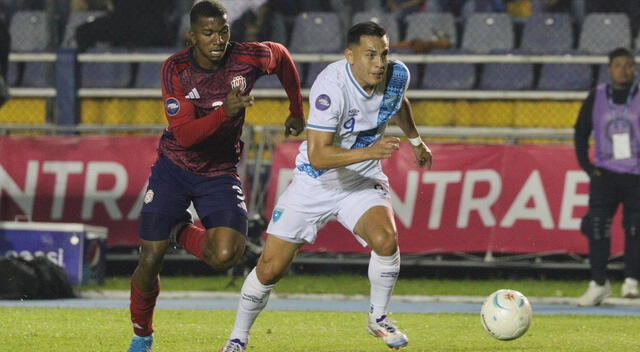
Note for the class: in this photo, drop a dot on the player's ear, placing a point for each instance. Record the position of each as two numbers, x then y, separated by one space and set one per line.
191 37
348 54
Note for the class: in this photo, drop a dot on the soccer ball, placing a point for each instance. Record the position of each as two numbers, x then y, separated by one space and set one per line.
506 314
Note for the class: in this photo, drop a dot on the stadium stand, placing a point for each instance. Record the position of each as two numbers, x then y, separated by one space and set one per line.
317 32
449 75
75 20
485 32
603 32
547 33
565 77
425 25
384 19
105 74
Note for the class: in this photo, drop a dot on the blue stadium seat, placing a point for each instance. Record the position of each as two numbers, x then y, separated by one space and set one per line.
75 20
148 74
316 32
13 74
183 28
546 33
312 72
30 31
37 75
268 82
499 76
414 71
273 82
603 32
565 77
485 32
105 74
424 26
448 75
386 20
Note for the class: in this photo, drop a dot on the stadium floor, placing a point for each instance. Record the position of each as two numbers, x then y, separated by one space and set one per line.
400 304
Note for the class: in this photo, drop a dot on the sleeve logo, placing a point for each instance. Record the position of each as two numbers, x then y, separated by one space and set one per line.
323 102
172 106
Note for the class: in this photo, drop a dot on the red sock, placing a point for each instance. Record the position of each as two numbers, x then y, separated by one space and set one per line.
141 307
192 239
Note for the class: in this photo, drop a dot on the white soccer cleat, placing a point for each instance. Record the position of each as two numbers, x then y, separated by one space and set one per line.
595 294
630 288
235 345
387 330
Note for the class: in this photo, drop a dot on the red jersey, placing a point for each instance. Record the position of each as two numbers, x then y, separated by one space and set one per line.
200 137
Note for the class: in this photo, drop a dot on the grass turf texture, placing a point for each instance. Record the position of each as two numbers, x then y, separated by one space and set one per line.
359 284
47 329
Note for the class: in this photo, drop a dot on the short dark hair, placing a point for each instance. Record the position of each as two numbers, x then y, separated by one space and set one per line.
617 52
206 8
364 28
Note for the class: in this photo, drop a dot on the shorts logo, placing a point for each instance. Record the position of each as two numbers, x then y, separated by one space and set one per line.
239 81
148 197
240 194
277 213
323 102
172 106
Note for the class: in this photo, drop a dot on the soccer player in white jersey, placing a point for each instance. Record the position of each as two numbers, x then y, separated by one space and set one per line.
338 174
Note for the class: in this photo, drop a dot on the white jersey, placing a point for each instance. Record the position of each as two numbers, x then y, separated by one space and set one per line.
339 104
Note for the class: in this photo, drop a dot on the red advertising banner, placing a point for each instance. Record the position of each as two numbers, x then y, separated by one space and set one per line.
502 198
515 199
96 180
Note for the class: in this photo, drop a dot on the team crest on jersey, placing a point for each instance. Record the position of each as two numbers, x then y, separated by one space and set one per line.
172 106
277 213
323 102
239 81
148 197
391 101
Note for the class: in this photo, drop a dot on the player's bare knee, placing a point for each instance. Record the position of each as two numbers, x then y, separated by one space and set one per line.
384 243
269 274
150 261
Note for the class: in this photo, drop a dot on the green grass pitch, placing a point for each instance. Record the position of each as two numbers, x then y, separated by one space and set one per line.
46 329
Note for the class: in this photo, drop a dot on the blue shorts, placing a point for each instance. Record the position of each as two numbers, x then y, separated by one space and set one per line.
219 200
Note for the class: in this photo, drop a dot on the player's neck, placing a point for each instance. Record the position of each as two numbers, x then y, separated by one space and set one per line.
205 63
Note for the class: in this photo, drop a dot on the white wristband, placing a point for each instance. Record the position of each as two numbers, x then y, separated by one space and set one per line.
415 141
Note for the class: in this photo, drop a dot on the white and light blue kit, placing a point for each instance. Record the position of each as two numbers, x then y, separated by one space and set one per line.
338 104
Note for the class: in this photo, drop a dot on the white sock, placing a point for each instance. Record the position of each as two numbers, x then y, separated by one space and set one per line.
253 298
383 274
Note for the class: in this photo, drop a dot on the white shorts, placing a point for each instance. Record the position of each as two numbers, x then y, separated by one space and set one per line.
306 205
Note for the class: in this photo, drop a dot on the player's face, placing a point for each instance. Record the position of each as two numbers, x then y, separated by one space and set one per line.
210 36
369 60
622 71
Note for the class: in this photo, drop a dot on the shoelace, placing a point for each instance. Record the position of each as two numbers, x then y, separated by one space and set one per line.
232 347
388 325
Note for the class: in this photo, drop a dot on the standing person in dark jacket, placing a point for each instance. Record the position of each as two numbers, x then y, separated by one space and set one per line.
612 113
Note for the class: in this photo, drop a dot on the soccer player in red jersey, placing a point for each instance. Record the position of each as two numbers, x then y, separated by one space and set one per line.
205 89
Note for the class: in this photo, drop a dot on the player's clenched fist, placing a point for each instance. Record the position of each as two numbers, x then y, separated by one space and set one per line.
384 147
235 102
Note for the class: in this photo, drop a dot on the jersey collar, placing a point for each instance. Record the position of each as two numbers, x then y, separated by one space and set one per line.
355 84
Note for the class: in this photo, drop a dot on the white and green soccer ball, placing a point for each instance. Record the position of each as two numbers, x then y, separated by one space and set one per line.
506 314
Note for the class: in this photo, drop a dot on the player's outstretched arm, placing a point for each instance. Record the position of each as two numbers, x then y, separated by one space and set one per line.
421 153
324 155
282 65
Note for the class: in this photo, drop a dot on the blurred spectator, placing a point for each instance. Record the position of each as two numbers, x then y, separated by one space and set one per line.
89 5
610 114
473 6
140 23
402 8
5 45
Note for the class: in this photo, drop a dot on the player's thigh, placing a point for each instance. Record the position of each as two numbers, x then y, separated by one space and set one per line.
300 211
165 201
219 201
275 259
603 198
366 211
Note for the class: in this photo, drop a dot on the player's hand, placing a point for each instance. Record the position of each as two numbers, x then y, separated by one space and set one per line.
384 147
422 155
235 102
293 126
